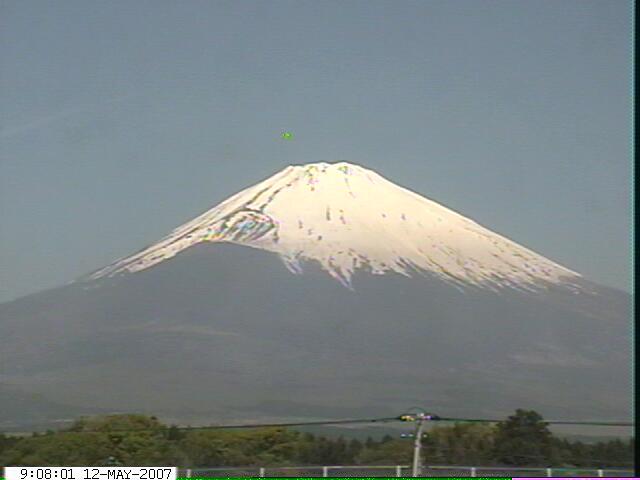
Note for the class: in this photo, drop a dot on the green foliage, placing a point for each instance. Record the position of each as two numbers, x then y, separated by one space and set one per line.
460 444
69 449
389 452
115 423
129 440
579 454
6 442
524 439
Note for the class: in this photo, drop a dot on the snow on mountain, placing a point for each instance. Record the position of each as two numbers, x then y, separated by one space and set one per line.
347 217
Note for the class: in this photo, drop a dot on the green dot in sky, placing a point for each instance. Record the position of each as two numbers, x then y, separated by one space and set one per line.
287 136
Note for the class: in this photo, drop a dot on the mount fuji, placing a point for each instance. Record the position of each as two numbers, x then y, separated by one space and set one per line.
324 290
346 217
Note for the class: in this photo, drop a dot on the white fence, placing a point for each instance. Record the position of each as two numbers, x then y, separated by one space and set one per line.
399 471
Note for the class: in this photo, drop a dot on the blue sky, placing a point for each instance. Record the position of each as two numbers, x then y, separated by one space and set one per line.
122 119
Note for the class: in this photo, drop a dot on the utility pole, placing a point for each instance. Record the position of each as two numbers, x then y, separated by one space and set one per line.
419 418
417 444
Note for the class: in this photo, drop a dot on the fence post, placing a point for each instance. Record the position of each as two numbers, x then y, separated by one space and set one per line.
549 472
188 473
473 471
398 471
325 471
600 473
261 472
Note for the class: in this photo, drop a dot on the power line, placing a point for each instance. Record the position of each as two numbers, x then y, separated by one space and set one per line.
432 418
294 424
244 425
550 422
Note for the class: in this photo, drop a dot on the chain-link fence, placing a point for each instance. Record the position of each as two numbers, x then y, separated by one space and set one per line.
399 471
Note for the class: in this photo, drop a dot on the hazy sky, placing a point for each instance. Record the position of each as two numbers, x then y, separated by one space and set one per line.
122 119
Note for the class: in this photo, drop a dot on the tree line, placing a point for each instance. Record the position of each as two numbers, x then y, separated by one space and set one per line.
523 439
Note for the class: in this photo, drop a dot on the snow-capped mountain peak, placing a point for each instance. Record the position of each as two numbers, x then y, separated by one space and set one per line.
347 217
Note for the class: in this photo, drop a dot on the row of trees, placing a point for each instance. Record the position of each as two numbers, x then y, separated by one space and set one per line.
522 440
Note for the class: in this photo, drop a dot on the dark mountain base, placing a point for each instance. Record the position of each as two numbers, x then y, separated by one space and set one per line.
226 332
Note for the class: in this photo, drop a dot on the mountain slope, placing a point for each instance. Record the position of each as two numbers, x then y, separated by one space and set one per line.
225 331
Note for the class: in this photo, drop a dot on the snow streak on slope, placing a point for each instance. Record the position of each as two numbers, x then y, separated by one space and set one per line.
347 217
